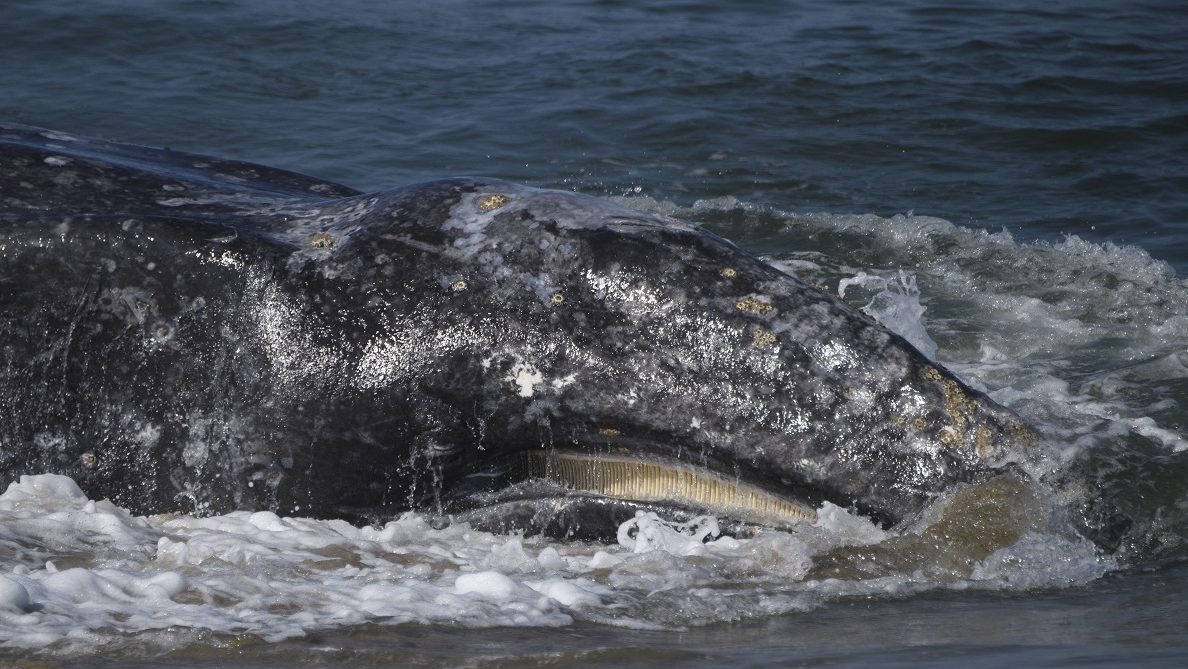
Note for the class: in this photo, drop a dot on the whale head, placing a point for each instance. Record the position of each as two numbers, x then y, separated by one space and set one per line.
219 335
576 361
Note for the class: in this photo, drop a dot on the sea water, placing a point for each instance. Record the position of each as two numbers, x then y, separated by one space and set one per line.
1003 183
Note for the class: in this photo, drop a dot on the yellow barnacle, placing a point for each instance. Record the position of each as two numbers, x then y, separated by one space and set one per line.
729 273
458 286
753 305
557 298
609 432
493 202
764 337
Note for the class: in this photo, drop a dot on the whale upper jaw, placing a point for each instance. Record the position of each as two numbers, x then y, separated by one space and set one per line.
539 506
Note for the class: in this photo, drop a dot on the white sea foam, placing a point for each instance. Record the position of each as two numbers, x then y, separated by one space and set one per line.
80 574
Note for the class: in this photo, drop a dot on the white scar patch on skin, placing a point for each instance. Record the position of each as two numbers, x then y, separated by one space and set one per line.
526 377
562 382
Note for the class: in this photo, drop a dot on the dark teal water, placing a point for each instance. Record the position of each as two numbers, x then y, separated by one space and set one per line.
1047 119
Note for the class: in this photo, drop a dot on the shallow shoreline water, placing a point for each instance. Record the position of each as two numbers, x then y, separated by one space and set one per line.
1047 121
1112 621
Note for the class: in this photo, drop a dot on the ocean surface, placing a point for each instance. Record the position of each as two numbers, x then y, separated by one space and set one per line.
1005 183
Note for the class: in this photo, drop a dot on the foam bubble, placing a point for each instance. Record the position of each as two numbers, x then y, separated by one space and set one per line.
490 585
14 597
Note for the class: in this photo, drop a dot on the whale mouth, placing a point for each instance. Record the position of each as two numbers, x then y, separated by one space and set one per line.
588 495
654 482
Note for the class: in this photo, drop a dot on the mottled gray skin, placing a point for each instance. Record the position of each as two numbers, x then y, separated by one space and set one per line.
183 333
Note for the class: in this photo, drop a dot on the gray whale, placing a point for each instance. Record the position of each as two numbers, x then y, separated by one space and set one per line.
180 333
